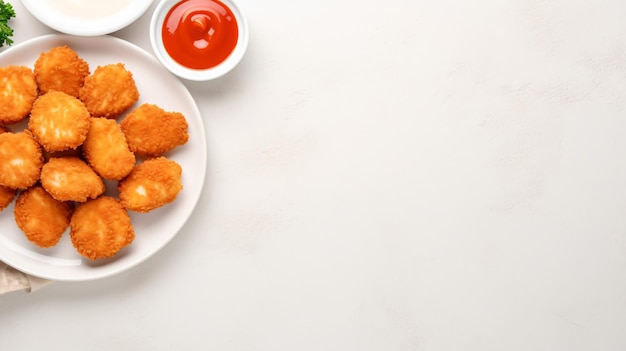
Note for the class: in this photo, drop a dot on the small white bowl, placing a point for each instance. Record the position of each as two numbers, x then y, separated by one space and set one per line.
87 17
156 35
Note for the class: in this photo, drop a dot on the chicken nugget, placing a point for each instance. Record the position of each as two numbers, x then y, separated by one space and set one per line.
71 179
42 218
151 184
59 121
106 149
21 160
6 197
18 91
109 91
100 228
60 69
152 131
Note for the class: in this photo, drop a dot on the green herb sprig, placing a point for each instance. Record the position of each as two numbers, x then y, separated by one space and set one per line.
6 32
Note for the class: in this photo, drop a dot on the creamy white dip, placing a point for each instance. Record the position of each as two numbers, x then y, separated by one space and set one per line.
89 8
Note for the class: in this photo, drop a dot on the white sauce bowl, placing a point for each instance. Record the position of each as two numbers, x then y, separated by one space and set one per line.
87 17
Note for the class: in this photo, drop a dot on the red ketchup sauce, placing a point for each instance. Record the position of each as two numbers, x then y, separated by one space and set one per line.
200 34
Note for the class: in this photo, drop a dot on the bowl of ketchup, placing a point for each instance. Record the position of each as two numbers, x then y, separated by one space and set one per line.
199 39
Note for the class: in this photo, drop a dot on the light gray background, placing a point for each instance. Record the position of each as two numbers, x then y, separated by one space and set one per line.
385 175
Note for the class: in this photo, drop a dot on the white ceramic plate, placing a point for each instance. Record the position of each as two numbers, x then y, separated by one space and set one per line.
153 230
87 17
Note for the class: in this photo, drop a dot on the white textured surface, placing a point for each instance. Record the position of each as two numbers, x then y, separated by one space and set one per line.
427 175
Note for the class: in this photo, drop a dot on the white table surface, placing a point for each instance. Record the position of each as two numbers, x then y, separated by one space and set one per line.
397 175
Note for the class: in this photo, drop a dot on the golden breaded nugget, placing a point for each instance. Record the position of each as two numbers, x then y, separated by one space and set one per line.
42 218
71 179
106 149
152 131
59 121
6 194
100 228
151 184
109 91
21 160
60 69
6 197
18 91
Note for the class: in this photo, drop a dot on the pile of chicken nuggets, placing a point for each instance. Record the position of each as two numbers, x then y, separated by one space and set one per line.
55 167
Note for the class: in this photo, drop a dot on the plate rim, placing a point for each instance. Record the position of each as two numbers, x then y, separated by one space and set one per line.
203 159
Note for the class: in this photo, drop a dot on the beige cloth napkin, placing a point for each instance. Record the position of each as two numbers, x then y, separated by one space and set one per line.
13 280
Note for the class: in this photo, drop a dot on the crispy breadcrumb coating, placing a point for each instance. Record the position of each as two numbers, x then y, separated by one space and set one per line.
61 69
109 91
6 197
106 149
21 160
18 91
152 184
71 179
100 228
42 218
152 131
59 121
